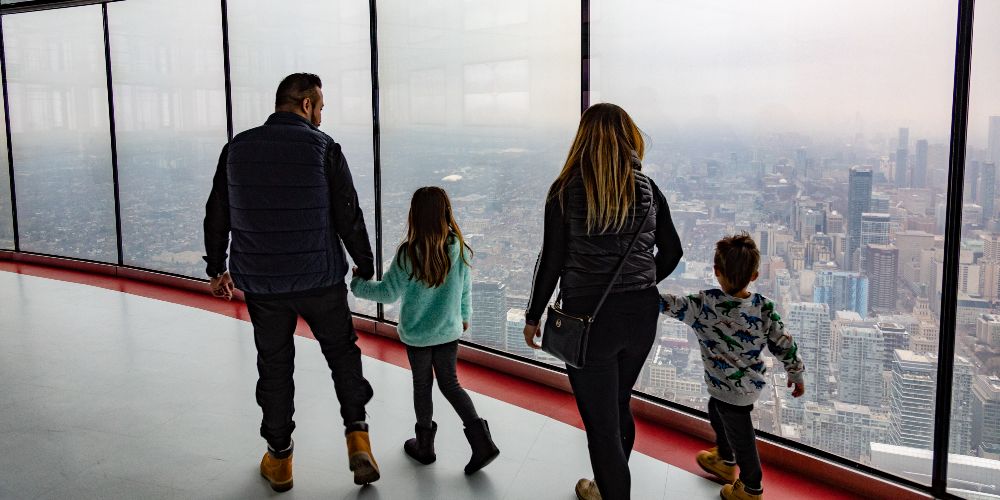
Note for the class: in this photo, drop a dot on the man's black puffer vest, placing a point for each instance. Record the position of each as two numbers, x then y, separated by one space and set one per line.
591 260
279 206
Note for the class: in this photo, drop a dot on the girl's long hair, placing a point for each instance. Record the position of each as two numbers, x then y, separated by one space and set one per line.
602 153
430 225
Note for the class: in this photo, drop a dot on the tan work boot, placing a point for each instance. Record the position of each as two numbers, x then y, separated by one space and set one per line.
586 489
737 491
360 458
277 471
712 463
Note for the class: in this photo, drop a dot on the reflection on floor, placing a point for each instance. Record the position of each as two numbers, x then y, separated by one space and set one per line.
105 394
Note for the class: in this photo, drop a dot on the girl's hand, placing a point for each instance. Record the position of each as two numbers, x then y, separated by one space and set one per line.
465 326
531 332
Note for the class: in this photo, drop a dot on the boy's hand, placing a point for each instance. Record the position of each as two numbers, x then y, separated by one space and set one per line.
800 389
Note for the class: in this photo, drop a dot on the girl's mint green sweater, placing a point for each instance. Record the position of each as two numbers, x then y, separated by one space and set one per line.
428 316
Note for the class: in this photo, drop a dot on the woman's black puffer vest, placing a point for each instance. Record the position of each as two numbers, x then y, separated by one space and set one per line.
591 260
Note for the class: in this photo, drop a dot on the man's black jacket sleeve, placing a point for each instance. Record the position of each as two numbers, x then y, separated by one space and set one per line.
217 220
348 220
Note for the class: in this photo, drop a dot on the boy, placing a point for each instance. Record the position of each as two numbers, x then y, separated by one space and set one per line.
733 326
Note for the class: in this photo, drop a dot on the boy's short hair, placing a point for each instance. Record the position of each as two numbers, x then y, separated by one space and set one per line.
737 259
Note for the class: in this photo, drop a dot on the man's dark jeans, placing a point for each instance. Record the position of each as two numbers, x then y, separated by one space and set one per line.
329 319
736 440
620 340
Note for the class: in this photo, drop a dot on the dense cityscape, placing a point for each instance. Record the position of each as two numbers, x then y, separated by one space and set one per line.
850 227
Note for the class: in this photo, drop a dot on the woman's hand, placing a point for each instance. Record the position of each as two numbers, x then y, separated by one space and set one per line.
531 332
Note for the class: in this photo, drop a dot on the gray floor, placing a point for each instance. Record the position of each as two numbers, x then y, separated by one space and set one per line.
109 395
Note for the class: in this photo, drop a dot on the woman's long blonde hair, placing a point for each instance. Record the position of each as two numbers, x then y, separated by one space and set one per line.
430 225
602 153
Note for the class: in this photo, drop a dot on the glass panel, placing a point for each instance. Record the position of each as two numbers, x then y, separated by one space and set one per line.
170 118
269 41
481 99
974 460
6 217
57 86
787 120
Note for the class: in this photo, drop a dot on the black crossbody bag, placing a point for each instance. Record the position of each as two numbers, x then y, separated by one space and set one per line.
566 336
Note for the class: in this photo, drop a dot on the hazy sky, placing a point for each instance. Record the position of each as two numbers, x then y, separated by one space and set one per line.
841 66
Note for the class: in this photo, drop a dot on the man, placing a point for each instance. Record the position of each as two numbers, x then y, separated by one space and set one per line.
285 193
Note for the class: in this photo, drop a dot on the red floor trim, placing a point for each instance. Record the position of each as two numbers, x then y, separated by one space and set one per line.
654 440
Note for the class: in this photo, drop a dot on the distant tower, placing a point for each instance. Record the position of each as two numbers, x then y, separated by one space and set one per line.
859 198
811 324
883 271
987 189
994 139
919 177
902 153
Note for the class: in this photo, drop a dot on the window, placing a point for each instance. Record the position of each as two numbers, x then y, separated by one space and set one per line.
170 119
974 438
787 120
6 217
60 134
481 99
269 41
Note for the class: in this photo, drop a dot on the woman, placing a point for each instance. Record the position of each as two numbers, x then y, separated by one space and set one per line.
593 210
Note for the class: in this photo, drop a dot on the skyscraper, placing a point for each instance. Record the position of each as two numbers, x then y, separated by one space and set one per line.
911 402
844 429
861 353
882 263
986 416
993 143
987 189
810 324
859 198
841 291
894 336
875 230
489 314
971 194
919 177
902 157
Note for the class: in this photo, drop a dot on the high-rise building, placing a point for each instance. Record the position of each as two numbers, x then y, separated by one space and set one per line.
882 262
859 198
876 229
810 324
971 194
993 144
902 154
918 179
861 366
834 223
987 189
986 416
911 402
894 337
515 339
841 291
844 429
988 330
489 314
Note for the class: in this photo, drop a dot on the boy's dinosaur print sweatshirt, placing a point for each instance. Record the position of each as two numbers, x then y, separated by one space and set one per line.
732 334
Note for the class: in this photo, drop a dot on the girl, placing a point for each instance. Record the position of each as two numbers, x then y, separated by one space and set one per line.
431 273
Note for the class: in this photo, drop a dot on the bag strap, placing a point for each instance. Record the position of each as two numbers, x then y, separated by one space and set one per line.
621 264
